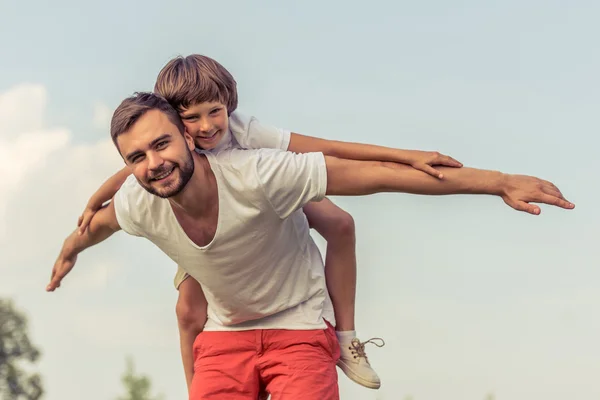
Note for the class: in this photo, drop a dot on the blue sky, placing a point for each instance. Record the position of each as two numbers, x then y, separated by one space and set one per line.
471 297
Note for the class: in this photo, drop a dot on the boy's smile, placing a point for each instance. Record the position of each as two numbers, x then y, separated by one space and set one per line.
206 123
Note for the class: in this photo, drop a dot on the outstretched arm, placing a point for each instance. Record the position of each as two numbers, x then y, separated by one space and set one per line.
102 195
349 177
420 160
102 226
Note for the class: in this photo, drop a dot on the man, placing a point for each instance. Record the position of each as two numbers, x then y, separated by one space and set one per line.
232 222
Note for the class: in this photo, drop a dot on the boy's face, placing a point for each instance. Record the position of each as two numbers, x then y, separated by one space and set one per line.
206 123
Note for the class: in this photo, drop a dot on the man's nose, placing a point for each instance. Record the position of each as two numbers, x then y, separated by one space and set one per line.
155 161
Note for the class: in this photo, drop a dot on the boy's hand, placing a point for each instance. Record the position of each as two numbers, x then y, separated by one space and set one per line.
424 161
84 220
520 190
63 265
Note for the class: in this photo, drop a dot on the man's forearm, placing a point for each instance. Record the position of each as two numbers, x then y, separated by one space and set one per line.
102 226
347 177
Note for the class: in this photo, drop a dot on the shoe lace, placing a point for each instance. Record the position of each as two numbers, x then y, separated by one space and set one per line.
358 348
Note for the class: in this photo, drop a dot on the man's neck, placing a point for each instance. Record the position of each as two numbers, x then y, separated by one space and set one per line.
199 196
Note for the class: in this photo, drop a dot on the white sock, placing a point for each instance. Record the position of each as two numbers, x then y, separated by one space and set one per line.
345 335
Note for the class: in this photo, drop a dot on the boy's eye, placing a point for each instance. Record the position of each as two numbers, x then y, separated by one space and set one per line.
216 110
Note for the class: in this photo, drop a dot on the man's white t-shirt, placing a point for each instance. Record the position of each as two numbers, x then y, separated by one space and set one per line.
262 270
246 132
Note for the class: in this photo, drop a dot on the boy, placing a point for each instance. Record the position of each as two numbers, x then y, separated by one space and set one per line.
204 93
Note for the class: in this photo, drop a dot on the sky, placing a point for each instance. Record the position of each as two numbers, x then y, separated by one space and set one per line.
472 298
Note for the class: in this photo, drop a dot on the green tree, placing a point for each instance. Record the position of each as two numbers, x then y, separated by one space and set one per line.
16 350
137 387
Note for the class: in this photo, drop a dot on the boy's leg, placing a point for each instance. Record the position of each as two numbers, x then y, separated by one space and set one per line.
191 317
225 366
337 228
298 365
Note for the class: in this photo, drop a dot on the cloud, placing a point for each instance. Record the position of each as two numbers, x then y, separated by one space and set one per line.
22 110
47 180
24 144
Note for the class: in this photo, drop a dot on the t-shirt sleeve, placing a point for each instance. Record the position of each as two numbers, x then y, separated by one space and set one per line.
180 276
126 202
250 133
291 180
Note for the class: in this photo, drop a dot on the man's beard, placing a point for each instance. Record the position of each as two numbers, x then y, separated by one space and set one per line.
186 170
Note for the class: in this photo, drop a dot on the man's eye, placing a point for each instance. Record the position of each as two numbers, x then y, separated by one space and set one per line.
161 145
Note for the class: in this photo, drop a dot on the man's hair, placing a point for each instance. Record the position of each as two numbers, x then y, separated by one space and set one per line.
133 108
194 79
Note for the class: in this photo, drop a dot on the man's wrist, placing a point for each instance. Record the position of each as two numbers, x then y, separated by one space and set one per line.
496 184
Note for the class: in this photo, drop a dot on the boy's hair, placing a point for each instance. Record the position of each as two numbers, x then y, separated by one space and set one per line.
194 79
134 107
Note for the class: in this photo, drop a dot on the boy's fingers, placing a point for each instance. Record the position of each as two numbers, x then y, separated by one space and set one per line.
431 171
451 162
84 223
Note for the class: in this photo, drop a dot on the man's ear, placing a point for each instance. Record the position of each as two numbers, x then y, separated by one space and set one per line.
189 140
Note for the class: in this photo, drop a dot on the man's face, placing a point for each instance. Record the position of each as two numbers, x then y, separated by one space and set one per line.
206 123
158 154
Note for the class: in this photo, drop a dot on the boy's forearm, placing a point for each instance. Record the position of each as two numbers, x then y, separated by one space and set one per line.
348 150
109 188
347 177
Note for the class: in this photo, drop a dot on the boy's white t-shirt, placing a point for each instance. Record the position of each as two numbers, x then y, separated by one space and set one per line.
262 270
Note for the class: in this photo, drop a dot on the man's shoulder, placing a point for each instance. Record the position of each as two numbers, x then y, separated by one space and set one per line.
245 170
237 156
134 204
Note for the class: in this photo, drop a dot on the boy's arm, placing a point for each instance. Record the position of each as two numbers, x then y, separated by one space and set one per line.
421 160
349 177
102 226
102 195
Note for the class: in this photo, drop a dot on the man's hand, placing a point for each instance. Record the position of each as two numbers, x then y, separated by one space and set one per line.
520 190
101 227
425 160
63 265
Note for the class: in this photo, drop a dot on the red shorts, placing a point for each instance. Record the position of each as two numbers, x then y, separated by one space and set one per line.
290 365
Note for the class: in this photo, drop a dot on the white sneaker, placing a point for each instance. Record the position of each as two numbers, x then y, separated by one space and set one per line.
355 363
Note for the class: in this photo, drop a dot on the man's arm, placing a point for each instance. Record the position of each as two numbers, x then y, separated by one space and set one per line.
349 177
421 160
102 226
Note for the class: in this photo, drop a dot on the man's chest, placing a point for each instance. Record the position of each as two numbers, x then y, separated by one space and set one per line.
200 231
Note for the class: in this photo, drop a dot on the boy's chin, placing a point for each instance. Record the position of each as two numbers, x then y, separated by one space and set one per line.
205 148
